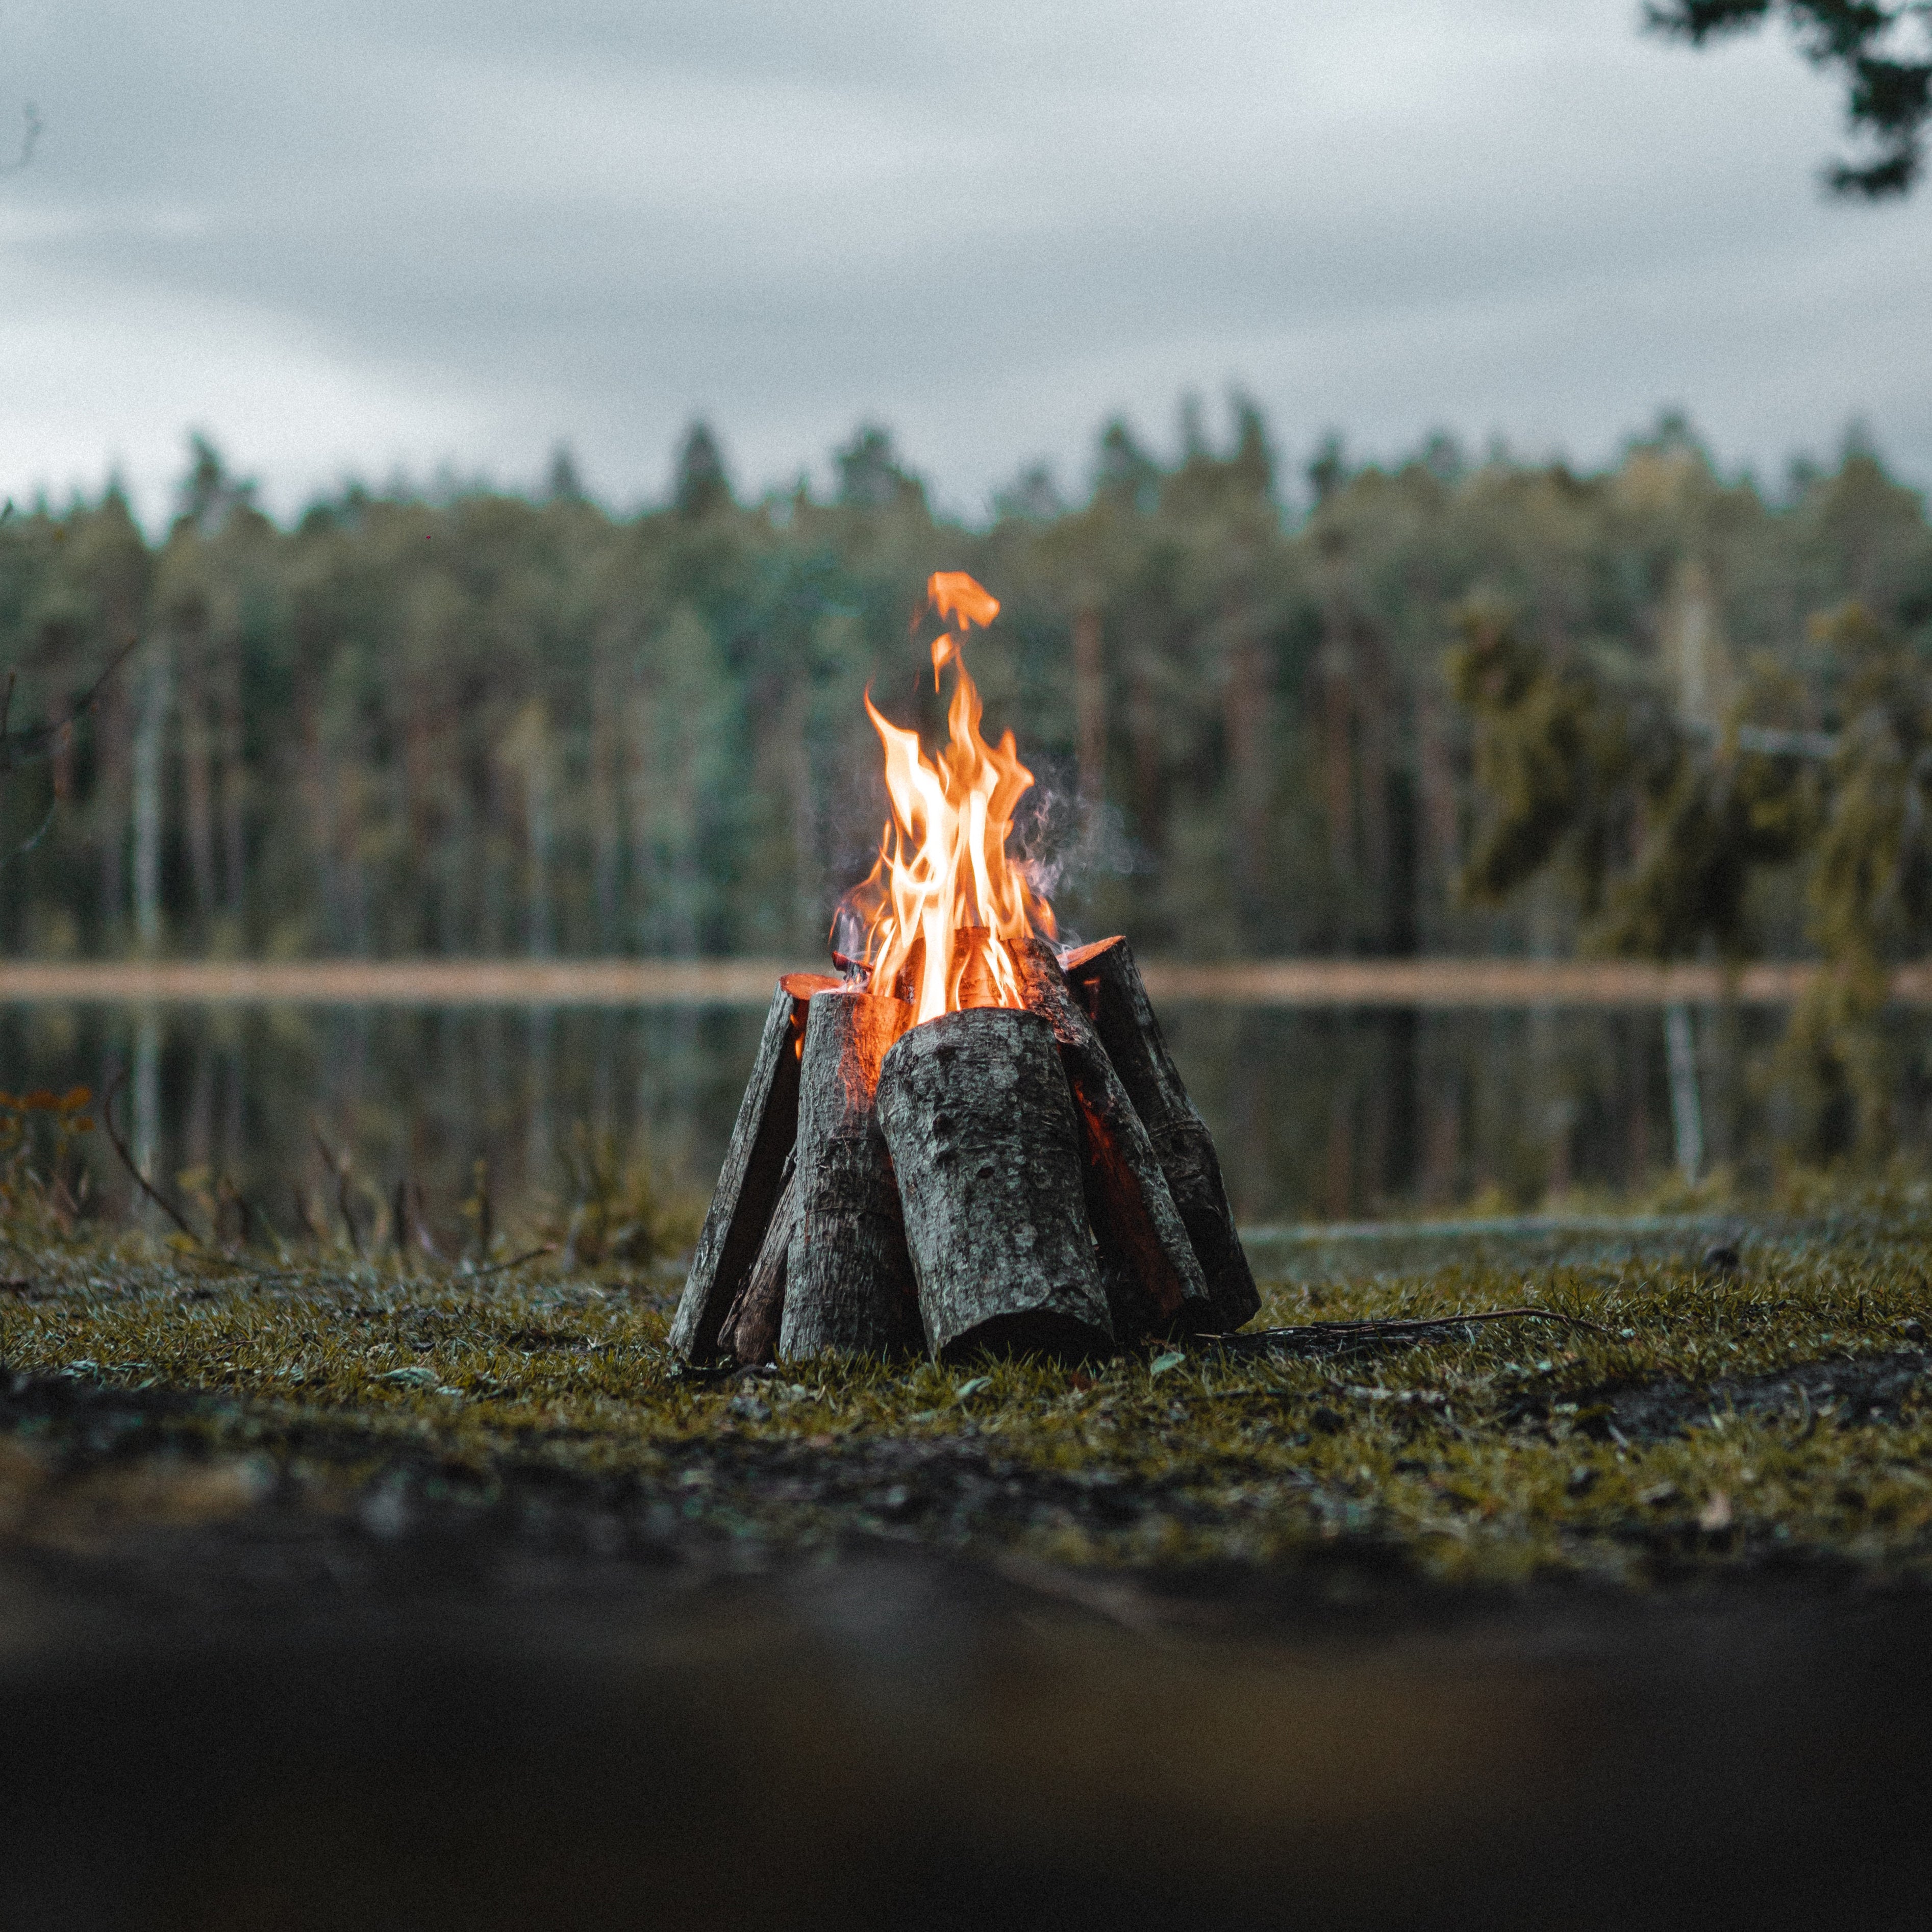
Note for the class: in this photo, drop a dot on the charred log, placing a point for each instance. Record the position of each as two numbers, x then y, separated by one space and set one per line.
748 1185
848 1285
1153 1278
1105 974
976 1113
750 1333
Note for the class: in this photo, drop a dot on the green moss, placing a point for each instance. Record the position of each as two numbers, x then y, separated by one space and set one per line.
1668 1436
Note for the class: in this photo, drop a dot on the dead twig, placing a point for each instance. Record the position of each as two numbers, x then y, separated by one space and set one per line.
340 1169
1330 1334
498 1267
303 1219
425 1239
141 1180
399 1220
409 1215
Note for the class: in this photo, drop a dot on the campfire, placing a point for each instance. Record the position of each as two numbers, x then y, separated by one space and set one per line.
967 1139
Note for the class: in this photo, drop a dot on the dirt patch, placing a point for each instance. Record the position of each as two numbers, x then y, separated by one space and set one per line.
1844 1394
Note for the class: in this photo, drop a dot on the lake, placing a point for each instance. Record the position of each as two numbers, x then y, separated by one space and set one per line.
1321 1113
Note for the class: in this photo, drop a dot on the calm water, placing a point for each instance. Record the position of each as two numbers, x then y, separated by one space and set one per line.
1320 1114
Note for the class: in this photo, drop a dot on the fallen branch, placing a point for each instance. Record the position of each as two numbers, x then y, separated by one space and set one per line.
1397 1328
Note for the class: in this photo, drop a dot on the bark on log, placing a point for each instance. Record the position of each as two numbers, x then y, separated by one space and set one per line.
976 1112
1153 1278
747 1186
848 1280
1105 972
750 1333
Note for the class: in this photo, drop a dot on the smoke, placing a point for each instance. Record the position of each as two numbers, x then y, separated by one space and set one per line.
1062 843
1065 844
851 927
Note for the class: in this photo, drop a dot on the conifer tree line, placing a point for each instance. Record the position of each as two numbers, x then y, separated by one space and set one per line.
478 723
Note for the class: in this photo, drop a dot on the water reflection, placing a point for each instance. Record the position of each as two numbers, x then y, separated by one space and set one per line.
1325 1114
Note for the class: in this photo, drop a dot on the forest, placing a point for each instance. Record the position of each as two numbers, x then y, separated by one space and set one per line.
459 722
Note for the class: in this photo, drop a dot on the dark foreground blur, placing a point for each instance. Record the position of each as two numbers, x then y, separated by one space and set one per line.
291 1722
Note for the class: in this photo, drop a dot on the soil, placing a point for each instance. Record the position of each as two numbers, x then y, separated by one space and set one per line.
1843 1394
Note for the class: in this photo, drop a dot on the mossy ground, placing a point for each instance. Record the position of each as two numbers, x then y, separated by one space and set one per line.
1705 1422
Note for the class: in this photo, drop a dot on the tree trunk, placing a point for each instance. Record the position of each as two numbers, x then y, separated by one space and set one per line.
1106 972
539 916
747 1187
111 757
198 781
149 735
1442 1151
1246 724
1335 663
976 1112
234 791
848 1280
1436 774
1153 1277
1374 749
1089 707
606 809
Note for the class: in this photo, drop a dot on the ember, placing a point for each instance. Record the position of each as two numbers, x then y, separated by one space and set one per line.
970 1137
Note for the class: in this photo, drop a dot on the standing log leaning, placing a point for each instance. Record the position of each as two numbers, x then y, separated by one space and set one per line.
748 1184
1152 1276
848 1278
976 1112
750 1334
1106 974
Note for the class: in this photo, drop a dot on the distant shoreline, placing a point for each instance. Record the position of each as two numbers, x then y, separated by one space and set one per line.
1432 983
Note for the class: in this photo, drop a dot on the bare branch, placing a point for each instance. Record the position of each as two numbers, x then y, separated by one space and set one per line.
43 741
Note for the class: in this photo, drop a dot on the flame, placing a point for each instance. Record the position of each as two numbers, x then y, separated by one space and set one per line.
944 897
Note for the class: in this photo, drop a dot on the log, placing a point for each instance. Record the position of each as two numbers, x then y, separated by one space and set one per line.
973 970
1105 975
1148 1268
750 1333
907 986
978 1118
848 1285
748 1184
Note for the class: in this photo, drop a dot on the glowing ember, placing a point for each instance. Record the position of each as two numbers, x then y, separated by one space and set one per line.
944 897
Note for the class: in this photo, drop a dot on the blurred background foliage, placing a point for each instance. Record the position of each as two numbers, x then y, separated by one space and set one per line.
463 722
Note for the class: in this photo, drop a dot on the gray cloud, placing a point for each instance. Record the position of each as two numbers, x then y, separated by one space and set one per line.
415 233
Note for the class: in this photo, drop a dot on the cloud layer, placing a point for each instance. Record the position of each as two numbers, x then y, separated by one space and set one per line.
418 234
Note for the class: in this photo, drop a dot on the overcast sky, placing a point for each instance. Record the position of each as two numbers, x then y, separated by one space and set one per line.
372 235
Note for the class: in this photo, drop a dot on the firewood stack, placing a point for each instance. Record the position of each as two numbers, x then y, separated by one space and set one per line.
1027 1180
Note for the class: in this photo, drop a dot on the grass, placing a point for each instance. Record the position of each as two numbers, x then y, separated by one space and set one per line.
1704 1424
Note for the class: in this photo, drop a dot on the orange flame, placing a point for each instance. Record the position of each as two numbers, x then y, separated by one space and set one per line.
944 897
